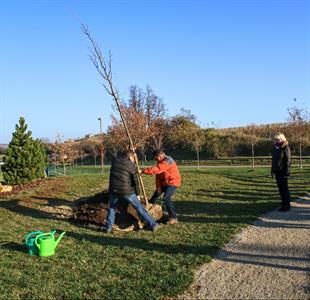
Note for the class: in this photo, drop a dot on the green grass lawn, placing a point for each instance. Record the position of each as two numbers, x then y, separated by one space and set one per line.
213 206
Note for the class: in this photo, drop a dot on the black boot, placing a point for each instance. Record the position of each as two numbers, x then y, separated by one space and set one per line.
284 208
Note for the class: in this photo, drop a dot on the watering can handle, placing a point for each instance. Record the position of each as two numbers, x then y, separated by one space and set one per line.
30 234
40 235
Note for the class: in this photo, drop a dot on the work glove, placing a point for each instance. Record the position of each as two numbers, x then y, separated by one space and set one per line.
138 197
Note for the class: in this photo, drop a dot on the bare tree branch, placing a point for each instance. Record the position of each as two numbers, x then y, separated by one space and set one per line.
104 69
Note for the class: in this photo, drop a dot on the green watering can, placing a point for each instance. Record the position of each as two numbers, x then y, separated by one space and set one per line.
29 241
30 244
47 243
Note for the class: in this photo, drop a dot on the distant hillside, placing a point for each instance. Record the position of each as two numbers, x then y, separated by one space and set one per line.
4 146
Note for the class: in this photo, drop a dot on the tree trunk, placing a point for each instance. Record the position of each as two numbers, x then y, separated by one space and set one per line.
253 156
198 159
300 157
197 153
64 166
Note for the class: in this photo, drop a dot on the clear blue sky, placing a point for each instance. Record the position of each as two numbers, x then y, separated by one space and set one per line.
231 62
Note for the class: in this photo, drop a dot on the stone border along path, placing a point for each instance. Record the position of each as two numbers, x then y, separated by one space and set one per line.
269 259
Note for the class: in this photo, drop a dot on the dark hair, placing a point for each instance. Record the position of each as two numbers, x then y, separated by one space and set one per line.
157 152
130 153
125 153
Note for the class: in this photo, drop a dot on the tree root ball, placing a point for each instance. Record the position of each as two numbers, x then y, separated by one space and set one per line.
94 210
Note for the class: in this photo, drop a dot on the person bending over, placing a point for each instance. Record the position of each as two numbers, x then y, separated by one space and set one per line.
168 179
123 184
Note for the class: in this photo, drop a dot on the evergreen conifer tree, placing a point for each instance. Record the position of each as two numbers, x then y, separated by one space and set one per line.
25 159
39 158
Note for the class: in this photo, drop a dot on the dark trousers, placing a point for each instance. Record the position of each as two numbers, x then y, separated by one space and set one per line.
168 191
284 192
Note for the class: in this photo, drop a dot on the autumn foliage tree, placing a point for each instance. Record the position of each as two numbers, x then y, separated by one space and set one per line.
144 113
137 126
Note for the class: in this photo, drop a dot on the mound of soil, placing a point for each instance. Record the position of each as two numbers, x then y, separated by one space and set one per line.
94 210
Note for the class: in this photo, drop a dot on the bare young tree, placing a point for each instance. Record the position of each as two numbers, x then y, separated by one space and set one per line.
197 142
104 68
299 125
95 148
61 151
250 131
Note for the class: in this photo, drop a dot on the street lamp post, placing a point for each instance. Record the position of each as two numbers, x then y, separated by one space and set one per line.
101 144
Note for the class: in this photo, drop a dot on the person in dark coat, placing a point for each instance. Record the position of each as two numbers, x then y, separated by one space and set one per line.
124 184
281 164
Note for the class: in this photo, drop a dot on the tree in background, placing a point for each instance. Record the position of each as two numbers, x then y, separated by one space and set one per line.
153 112
136 98
251 132
25 159
116 136
40 158
160 129
144 114
211 145
185 133
137 127
95 148
63 152
299 126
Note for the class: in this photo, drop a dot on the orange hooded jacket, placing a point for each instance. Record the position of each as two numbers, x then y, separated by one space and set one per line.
167 173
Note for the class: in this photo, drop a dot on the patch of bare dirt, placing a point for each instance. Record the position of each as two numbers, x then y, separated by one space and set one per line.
23 187
94 210
45 198
87 211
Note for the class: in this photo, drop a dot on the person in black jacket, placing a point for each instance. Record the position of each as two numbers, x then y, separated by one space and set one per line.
281 164
124 184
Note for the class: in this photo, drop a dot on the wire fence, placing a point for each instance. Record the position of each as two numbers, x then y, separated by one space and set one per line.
262 161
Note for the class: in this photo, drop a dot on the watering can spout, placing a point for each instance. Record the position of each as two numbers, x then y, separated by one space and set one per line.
59 238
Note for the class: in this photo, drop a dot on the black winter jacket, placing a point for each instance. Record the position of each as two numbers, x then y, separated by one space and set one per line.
281 160
123 177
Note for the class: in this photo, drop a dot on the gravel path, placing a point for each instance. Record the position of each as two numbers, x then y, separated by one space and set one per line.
268 260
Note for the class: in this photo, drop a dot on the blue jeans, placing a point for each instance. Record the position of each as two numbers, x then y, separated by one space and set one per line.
168 191
134 201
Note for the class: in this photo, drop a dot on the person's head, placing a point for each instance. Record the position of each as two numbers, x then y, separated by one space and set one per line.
280 138
126 154
131 155
159 155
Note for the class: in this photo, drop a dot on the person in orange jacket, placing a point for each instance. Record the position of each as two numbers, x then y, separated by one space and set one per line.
168 179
